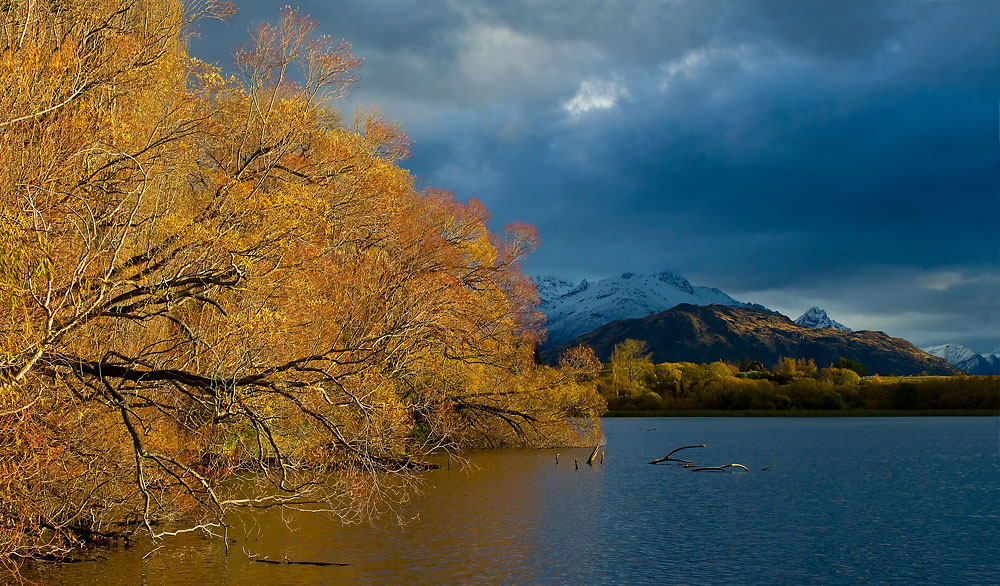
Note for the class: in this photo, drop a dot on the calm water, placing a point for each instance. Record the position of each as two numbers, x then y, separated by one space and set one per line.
848 501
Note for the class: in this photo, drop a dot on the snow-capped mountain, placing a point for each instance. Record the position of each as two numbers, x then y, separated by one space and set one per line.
817 318
966 359
571 310
552 287
953 353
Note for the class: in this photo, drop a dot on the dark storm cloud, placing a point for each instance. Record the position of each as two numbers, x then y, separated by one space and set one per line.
790 152
820 28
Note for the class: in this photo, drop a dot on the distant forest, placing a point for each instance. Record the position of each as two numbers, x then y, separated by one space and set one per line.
632 382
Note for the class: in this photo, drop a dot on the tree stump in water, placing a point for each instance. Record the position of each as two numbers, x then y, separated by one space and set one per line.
593 455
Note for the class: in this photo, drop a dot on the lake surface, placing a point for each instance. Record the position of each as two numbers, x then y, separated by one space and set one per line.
847 501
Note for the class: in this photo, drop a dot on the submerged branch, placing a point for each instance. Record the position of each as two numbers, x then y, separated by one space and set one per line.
668 458
723 467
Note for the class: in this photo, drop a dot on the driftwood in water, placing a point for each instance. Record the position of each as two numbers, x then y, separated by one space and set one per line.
768 467
593 454
668 458
723 467
254 558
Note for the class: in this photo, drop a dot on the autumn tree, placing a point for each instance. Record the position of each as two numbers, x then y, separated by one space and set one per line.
630 362
207 275
790 368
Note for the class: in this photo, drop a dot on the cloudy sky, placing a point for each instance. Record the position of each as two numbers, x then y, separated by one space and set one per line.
792 153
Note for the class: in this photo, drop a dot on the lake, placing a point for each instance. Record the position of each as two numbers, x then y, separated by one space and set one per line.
846 501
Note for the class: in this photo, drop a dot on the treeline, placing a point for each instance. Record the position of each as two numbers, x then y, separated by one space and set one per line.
632 382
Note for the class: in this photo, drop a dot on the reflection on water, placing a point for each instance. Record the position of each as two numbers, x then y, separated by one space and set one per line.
848 501
478 525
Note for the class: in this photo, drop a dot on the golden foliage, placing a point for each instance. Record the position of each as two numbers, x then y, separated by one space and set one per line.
209 275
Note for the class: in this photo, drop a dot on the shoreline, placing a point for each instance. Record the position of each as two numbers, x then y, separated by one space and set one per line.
807 413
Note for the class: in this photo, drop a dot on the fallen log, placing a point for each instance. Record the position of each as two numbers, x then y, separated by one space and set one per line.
668 458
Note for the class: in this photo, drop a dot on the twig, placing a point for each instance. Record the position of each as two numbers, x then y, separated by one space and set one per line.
152 551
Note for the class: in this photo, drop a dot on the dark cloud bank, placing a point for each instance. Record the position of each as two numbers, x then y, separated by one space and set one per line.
841 154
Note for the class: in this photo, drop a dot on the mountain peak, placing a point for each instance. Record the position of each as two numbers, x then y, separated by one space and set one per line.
817 318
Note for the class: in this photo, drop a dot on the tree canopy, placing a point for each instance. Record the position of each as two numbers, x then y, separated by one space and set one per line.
630 363
203 276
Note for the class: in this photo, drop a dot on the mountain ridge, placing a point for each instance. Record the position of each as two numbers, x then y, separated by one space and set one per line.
692 333
575 309
966 359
